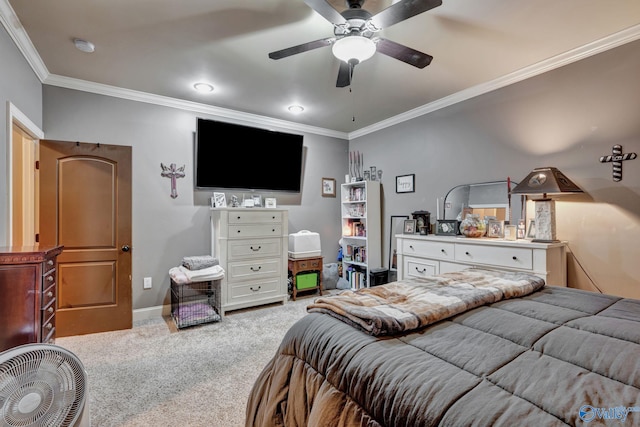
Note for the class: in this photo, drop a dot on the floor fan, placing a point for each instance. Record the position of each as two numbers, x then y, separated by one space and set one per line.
42 385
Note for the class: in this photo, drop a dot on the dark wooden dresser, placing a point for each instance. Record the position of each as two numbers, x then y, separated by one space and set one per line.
27 295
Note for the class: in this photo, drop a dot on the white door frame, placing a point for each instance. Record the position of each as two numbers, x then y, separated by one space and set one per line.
15 117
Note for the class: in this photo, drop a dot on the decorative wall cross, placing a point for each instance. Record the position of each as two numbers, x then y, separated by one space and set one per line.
617 158
173 173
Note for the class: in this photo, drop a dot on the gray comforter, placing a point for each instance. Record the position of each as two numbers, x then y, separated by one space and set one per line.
555 357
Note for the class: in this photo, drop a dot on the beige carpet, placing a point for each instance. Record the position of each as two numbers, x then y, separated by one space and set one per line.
157 375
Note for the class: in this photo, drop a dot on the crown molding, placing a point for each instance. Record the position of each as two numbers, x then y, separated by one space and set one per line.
165 101
22 41
617 39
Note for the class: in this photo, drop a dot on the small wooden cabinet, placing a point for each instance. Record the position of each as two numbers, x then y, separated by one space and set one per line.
429 255
305 265
28 289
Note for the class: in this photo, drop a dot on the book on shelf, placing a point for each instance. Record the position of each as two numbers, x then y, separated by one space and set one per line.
357 194
355 227
355 253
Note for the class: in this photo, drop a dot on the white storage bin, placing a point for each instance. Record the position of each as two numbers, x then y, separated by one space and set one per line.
304 244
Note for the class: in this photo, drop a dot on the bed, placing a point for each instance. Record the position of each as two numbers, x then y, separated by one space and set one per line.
477 347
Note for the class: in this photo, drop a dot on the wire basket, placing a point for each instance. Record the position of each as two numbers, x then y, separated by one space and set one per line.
195 303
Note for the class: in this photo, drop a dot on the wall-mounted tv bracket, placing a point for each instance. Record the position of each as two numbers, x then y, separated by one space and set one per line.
173 173
617 158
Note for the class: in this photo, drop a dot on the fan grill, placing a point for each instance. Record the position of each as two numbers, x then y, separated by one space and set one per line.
43 386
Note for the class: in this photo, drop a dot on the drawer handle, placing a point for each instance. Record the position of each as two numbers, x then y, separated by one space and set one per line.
253 269
515 258
50 309
238 231
49 294
467 253
443 251
424 270
255 290
49 326
50 278
238 217
411 246
50 262
256 249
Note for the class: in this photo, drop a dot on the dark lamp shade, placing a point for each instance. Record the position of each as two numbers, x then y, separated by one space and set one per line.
546 180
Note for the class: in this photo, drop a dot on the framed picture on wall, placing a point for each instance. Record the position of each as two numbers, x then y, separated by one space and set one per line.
405 183
328 187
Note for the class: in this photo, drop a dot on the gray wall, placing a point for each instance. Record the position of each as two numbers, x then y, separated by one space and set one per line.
20 86
166 229
565 118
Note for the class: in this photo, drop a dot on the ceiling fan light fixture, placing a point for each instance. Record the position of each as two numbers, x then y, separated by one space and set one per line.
353 47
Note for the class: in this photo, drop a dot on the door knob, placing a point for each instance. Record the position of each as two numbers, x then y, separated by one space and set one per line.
125 248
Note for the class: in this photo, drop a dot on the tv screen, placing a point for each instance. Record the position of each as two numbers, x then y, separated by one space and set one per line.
232 156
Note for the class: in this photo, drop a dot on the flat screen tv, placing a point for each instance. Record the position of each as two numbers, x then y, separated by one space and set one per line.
232 156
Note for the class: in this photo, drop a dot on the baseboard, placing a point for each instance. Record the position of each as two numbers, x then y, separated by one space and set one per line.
155 312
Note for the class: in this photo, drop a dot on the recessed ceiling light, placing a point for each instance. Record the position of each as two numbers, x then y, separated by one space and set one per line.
84 45
203 87
296 109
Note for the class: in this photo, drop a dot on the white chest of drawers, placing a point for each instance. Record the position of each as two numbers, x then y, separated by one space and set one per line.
428 255
251 245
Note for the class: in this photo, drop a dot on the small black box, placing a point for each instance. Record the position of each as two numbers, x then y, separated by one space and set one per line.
378 276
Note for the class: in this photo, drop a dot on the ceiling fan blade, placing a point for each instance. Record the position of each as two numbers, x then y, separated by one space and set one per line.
344 74
403 53
402 10
279 54
326 11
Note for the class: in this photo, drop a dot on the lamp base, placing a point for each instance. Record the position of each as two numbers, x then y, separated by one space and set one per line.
545 220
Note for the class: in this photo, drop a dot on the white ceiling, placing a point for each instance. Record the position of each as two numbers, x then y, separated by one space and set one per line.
156 49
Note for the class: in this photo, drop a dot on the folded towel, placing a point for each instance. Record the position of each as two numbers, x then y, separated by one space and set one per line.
178 276
199 262
182 275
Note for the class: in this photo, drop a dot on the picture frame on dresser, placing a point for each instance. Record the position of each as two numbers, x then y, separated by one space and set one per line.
531 229
447 227
409 226
495 228
219 200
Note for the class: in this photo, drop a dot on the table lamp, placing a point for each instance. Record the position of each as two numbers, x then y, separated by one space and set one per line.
543 182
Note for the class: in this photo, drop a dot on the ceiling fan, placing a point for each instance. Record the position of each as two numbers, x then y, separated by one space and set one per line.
354 34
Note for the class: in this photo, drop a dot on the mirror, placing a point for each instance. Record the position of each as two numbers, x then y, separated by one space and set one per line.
396 227
485 199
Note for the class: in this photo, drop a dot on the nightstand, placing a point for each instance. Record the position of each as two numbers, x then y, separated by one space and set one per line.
305 265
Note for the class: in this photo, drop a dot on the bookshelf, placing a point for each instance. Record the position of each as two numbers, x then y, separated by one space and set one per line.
361 231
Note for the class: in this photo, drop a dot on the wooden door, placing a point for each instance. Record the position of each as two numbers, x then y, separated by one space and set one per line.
85 205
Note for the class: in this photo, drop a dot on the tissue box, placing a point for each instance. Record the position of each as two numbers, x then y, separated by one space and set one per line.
304 244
